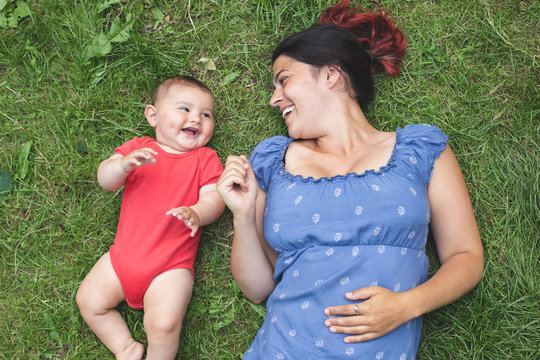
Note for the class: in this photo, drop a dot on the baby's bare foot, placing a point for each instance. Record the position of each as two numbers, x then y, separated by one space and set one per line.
133 351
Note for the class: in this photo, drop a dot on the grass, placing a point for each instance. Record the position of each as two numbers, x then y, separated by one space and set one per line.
471 69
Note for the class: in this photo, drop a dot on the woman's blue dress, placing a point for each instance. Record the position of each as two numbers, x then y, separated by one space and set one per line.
335 235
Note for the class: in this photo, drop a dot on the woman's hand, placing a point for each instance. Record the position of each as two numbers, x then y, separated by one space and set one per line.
238 186
380 312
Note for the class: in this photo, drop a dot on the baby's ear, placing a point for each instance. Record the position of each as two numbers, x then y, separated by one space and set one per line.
150 113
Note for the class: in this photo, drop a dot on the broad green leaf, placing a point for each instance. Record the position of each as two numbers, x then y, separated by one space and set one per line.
3 20
120 32
158 14
230 77
6 183
22 165
20 12
3 4
100 46
105 4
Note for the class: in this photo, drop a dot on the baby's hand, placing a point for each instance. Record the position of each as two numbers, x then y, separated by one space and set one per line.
138 158
188 216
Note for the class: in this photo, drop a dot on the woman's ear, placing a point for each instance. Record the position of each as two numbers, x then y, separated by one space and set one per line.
151 113
332 75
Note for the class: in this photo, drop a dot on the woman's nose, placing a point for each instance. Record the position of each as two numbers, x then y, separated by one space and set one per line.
276 97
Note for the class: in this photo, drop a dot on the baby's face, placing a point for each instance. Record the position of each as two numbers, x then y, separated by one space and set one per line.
184 118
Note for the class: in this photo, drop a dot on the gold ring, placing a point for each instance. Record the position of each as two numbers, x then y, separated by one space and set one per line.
356 311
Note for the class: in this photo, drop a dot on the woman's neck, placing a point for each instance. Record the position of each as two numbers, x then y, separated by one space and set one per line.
348 129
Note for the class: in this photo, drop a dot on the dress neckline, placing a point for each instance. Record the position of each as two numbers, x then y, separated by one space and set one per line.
336 178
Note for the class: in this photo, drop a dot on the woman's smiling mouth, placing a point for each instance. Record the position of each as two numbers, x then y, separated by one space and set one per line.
287 111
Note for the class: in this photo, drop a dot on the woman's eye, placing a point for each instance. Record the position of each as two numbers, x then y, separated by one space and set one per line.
282 80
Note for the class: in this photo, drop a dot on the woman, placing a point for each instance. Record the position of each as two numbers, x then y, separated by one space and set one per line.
331 223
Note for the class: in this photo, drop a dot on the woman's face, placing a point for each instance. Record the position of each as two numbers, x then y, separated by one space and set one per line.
298 96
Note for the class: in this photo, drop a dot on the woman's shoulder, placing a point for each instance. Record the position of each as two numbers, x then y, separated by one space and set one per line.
265 156
273 144
421 133
270 149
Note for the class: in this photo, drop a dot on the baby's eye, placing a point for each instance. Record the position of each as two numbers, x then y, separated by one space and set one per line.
183 108
209 116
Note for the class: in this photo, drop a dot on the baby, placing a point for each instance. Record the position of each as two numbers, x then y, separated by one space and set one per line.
150 265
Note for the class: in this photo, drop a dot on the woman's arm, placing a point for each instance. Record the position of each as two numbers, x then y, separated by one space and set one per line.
460 252
252 260
457 238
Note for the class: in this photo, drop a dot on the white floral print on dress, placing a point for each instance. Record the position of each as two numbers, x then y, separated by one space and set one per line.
316 217
358 210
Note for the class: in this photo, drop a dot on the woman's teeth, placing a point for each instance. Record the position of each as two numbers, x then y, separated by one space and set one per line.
287 110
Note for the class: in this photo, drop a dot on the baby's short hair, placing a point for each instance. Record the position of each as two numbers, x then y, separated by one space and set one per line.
185 80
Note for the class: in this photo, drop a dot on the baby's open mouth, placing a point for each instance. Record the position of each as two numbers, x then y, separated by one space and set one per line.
190 131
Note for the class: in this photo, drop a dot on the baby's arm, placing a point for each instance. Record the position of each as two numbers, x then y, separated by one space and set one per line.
206 211
112 172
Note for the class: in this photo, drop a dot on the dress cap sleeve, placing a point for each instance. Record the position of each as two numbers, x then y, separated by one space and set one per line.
422 145
265 156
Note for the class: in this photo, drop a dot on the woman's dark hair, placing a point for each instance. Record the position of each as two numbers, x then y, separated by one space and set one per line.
360 42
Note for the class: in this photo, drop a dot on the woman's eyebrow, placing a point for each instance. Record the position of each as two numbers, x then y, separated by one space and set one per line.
277 75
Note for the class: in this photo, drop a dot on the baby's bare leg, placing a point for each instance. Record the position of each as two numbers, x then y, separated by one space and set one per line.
97 297
165 304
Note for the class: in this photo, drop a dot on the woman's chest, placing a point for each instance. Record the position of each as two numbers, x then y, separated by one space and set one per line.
369 209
